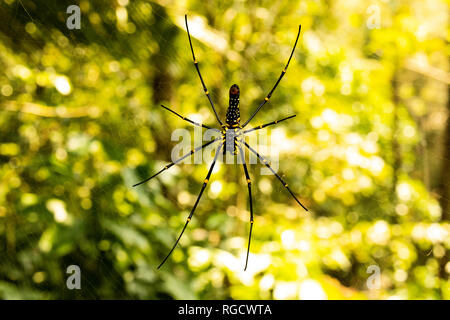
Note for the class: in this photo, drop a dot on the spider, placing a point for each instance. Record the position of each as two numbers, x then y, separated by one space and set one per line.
230 140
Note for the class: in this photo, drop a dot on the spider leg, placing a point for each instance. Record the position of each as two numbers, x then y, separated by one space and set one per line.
273 171
267 124
189 120
278 81
249 184
199 74
196 203
178 160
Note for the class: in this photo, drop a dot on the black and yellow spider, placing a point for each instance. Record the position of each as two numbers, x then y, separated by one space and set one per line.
231 133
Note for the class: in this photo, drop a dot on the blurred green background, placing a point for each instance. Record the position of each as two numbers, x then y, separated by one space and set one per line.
368 153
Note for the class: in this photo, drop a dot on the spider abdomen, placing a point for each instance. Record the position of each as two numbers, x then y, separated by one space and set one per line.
233 116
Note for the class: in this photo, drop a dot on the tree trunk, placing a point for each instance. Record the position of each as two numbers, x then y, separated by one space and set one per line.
445 167
396 152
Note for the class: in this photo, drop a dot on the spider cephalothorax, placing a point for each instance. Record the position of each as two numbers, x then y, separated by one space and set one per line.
230 140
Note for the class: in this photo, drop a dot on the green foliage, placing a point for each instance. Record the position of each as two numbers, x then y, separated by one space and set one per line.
81 123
